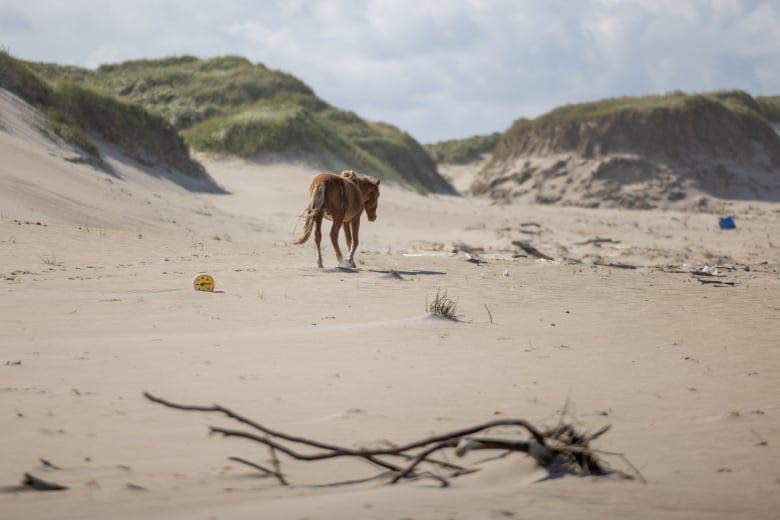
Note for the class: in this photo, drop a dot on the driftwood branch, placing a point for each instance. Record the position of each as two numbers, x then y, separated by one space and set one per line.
561 449
270 472
531 250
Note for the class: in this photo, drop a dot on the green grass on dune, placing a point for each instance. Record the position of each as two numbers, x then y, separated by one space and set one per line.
185 90
228 105
734 100
282 129
16 77
75 111
463 151
770 107
666 123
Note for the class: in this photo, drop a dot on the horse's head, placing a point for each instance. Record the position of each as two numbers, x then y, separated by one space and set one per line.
369 186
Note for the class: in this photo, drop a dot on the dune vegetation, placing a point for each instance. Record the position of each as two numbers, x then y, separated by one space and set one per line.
75 112
640 153
463 151
734 101
228 105
673 124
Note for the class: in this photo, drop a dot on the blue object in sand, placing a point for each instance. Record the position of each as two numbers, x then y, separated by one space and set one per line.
727 223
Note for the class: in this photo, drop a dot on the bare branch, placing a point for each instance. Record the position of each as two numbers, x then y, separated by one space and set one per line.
266 471
560 449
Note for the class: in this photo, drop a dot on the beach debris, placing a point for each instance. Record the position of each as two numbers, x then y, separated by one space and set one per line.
531 250
467 249
530 228
474 259
276 472
203 282
615 265
561 450
707 271
490 314
38 484
48 464
711 275
717 283
393 273
597 241
727 222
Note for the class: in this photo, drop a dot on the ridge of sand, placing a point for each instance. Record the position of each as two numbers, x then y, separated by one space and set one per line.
97 307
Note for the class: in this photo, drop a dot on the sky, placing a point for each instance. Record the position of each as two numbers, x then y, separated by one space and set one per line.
437 69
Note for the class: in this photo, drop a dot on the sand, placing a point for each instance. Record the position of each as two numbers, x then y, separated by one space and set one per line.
97 307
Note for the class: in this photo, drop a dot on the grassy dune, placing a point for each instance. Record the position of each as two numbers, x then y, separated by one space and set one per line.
229 105
733 100
669 123
75 112
463 151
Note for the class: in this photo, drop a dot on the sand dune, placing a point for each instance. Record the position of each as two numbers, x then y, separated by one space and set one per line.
98 307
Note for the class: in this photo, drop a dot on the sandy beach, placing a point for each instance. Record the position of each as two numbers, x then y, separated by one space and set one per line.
617 328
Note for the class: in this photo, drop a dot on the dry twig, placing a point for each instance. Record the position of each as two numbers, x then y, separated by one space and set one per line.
560 450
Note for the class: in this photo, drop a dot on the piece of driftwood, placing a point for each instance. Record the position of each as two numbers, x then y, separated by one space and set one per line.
716 283
597 241
474 259
38 484
615 265
48 464
269 472
561 450
531 250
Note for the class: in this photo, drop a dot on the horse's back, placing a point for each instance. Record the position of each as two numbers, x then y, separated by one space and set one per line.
342 195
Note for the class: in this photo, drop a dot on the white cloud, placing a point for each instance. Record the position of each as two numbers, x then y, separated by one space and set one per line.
436 68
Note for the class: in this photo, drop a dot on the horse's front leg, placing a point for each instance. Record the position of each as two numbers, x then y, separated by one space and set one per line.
334 239
351 230
318 237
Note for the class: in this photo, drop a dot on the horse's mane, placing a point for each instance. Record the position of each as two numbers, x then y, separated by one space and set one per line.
354 176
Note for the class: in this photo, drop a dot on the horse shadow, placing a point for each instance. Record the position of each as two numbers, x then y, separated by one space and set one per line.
387 272
408 272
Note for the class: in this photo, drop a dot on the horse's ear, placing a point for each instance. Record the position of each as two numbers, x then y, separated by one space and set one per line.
377 181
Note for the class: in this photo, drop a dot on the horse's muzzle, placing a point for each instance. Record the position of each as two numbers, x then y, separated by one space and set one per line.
372 218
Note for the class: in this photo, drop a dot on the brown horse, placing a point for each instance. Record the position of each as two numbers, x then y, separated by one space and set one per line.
341 198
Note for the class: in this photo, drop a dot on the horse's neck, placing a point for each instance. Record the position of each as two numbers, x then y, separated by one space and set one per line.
362 188
359 186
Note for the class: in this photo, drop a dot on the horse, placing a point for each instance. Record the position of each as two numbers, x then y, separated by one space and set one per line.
341 198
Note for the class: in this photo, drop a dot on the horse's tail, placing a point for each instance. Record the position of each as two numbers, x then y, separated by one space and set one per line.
316 202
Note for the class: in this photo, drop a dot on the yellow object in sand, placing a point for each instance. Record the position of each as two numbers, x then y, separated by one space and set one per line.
203 282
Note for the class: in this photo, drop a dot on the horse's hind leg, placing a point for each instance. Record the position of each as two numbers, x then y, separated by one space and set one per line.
348 236
334 239
318 237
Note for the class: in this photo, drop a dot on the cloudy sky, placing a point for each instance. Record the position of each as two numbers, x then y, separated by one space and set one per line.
438 69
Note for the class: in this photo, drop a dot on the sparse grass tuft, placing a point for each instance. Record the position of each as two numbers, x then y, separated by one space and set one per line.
395 274
443 306
51 260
